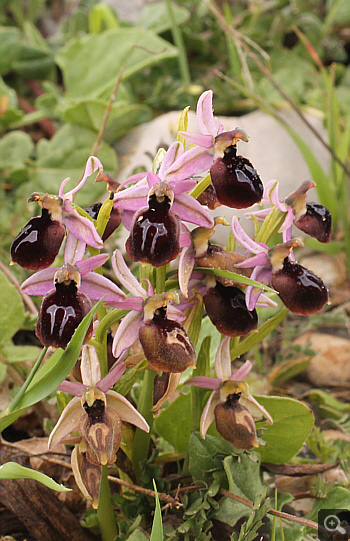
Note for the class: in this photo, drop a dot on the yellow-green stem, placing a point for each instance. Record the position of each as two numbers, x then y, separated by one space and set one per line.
105 513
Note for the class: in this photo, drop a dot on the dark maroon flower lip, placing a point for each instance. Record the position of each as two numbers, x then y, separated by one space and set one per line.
38 243
61 311
300 289
166 344
154 234
236 182
316 222
227 309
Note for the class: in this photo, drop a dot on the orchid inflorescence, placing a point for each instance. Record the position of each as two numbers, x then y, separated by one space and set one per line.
156 325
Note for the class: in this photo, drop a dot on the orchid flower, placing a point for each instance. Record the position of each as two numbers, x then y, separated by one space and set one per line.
97 413
230 393
154 321
39 242
176 169
311 218
300 289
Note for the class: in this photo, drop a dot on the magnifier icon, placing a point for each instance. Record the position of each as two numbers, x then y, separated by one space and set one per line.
332 524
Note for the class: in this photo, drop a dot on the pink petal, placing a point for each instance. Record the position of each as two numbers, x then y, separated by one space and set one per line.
175 150
92 165
127 333
77 389
186 265
68 423
223 360
96 286
112 377
190 210
183 186
208 415
173 313
90 366
205 117
203 141
132 198
205 382
244 239
193 161
152 179
40 283
82 228
127 216
125 276
74 249
87 265
242 372
256 260
137 178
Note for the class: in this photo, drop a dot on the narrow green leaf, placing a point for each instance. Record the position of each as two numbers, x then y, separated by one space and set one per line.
257 336
51 379
157 527
12 470
7 420
239 278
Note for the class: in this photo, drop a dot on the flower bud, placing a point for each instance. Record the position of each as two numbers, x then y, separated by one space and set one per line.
61 311
154 233
235 423
300 289
38 244
316 222
227 309
166 344
114 220
236 182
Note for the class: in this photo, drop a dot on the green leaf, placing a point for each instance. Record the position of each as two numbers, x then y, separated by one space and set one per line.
89 113
12 310
20 354
257 336
65 155
239 278
138 535
292 424
9 39
155 17
206 455
243 476
157 526
10 418
15 149
91 64
337 498
174 423
12 470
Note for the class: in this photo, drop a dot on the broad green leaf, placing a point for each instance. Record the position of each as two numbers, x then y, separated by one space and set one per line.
101 18
257 336
243 476
197 393
337 498
46 384
138 535
155 17
33 62
9 39
12 470
12 310
157 526
292 424
2 372
65 155
174 423
91 64
89 113
206 456
15 149
20 354
10 111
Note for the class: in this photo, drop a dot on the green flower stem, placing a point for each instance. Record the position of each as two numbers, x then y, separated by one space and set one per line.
160 279
201 186
13 406
107 321
146 272
271 225
177 37
105 513
102 349
142 438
